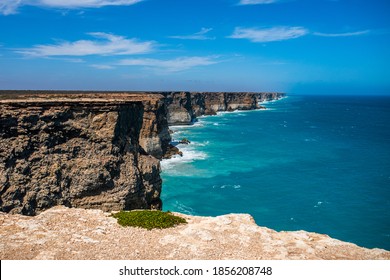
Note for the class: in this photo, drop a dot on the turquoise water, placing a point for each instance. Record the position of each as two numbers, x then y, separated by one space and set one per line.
314 163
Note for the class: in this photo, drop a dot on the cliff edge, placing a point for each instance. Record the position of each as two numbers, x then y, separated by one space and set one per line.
64 233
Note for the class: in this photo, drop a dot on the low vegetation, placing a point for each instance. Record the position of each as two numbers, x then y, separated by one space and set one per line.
148 219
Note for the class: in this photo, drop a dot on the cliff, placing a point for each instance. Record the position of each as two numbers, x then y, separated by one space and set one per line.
184 107
63 233
81 150
95 149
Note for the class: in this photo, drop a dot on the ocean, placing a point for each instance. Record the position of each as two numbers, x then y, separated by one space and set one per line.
313 163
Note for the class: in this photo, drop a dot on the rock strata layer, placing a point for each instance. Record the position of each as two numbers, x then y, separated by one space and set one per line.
92 151
63 233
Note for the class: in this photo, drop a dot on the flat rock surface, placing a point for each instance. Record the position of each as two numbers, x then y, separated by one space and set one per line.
65 233
74 97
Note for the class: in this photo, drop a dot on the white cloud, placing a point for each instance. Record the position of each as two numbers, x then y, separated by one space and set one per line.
102 66
73 60
10 6
262 35
348 34
201 35
256 2
172 65
104 44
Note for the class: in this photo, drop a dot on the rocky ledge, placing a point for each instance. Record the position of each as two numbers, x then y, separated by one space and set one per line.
64 233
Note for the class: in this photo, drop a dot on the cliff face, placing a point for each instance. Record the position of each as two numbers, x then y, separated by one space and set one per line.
184 107
101 152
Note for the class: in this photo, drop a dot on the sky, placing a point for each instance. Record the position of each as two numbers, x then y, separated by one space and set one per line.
292 46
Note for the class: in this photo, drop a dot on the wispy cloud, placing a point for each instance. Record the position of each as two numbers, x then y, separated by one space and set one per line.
256 2
172 65
281 33
73 60
347 34
102 66
201 35
104 44
262 35
8 7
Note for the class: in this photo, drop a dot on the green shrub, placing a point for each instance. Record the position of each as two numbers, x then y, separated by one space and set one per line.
148 219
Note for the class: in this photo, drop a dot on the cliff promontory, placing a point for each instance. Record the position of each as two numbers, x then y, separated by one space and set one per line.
91 151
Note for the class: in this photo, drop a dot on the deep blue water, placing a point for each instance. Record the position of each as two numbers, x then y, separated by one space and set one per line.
314 163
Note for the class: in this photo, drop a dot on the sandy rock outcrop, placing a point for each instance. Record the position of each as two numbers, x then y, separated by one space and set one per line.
64 233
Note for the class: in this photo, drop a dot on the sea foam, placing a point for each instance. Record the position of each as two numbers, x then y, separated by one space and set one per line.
176 164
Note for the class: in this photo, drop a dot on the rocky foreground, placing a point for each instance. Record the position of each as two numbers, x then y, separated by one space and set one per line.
71 233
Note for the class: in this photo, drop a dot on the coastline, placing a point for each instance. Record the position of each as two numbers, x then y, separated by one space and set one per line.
267 168
105 147
154 161
189 152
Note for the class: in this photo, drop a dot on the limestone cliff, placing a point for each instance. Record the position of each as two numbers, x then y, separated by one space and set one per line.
91 151
184 107
95 149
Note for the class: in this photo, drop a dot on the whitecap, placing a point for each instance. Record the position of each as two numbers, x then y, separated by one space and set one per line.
199 123
189 155
227 186
319 203
201 144
182 208
175 128
234 112
272 101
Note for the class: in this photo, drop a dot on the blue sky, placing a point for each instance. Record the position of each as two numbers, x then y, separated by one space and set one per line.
293 46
